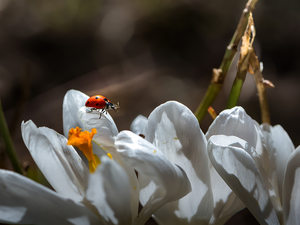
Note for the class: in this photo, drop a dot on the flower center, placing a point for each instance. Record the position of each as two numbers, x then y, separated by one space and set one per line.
83 141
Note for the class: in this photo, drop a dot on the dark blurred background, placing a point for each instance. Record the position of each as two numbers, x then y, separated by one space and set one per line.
140 53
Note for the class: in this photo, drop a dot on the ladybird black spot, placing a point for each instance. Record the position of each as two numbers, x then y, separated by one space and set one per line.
97 104
97 97
105 99
88 102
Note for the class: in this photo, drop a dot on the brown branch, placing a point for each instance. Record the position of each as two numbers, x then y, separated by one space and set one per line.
264 107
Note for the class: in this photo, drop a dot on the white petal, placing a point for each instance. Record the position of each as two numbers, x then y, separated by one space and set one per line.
73 101
97 150
291 189
27 202
109 192
282 145
270 158
238 164
59 162
170 180
226 203
175 130
138 124
134 183
235 122
106 127
103 143
266 156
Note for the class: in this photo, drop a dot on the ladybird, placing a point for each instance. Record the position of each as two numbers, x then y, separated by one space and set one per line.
99 102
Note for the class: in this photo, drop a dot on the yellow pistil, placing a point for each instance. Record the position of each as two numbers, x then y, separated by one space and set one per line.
83 141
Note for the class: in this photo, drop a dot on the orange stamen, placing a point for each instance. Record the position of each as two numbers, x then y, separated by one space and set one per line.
83 141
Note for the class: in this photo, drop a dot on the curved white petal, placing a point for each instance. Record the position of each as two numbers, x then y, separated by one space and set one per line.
174 129
171 182
24 201
226 203
262 151
238 164
138 124
104 141
235 122
282 146
73 101
59 162
106 127
291 190
133 181
109 192
271 155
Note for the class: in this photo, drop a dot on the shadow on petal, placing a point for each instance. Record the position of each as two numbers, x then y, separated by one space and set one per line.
241 174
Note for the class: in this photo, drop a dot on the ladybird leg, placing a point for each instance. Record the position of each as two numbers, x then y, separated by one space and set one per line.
91 110
102 111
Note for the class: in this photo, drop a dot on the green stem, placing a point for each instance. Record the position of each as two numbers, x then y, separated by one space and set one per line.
235 93
210 96
217 82
10 150
238 82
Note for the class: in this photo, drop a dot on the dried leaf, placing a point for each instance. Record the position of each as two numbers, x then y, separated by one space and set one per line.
268 84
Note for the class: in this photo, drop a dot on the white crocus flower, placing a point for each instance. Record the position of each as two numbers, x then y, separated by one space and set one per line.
174 130
105 193
80 198
262 168
75 115
104 142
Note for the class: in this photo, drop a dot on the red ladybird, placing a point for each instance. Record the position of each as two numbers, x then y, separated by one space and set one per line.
98 102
